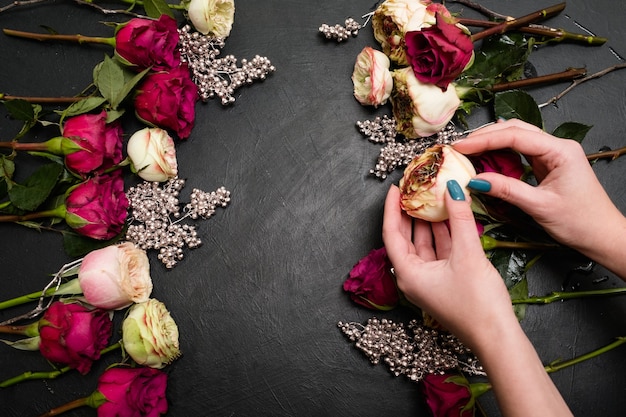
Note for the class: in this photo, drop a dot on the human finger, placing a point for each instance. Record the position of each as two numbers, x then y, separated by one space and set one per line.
423 240
464 239
396 228
527 142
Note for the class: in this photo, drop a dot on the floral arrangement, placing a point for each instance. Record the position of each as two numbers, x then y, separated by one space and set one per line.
433 71
156 75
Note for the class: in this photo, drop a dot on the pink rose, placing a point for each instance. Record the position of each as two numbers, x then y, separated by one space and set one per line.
132 392
167 100
446 398
95 145
371 77
148 43
73 335
97 208
503 161
371 283
439 53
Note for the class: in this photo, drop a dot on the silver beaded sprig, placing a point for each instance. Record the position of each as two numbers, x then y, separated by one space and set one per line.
340 33
156 220
424 351
215 76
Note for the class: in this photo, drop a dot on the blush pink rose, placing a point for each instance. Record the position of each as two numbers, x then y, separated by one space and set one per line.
167 100
146 43
371 283
371 77
152 154
73 335
97 208
133 392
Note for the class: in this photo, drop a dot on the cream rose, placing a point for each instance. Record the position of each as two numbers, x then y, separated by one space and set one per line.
371 77
423 185
420 109
213 17
152 154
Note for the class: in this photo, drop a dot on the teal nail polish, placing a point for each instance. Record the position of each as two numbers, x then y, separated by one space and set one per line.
479 185
455 190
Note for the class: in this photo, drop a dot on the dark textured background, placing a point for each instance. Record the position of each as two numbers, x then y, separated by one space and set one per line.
257 304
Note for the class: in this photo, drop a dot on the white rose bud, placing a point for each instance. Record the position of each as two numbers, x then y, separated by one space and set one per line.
423 185
152 154
212 16
371 77
150 335
420 109
116 276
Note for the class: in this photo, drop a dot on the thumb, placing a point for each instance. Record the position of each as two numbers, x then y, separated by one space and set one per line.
461 218
508 189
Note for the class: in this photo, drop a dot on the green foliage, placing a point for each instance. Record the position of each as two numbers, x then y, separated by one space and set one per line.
37 188
115 81
512 266
572 130
155 8
517 104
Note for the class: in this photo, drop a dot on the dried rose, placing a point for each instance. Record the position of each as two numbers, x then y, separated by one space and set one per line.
423 185
167 100
74 335
371 77
116 276
146 43
420 109
212 16
371 283
150 335
152 154
132 392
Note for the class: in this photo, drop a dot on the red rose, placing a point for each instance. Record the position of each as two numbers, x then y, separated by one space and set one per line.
503 161
99 145
97 208
149 43
371 283
446 398
439 53
132 392
167 100
73 335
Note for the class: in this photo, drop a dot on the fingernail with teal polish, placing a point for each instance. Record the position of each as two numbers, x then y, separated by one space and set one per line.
455 190
479 185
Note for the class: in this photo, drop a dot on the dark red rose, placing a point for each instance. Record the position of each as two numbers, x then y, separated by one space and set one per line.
439 53
132 392
167 100
371 283
147 43
74 335
446 398
98 207
98 144
502 161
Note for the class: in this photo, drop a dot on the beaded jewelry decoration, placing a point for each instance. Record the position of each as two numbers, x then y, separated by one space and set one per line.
341 33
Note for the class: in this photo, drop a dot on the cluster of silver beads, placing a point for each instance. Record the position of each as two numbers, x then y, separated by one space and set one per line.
424 351
340 33
379 130
156 219
218 76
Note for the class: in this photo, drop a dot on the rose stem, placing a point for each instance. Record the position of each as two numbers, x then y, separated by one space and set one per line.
81 402
73 286
567 75
558 365
69 38
58 212
522 21
42 100
490 243
29 376
612 154
30 330
568 295
140 3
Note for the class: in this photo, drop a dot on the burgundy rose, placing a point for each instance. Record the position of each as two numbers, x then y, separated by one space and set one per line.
371 283
74 335
98 144
132 392
503 161
148 43
167 100
439 53
446 398
97 208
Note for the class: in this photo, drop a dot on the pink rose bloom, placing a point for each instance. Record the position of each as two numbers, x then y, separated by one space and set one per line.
451 395
132 392
73 335
116 276
152 154
439 53
148 43
97 208
167 100
98 144
502 161
371 77
371 283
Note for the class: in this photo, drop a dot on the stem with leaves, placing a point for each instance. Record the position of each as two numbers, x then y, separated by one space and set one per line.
568 295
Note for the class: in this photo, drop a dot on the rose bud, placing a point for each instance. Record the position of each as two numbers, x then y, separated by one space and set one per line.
150 335
116 276
152 155
213 17
371 77
132 392
74 335
145 43
167 100
423 185
371 283
420 109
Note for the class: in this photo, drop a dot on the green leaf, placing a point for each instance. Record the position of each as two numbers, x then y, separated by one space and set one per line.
108 76
37 187
155 8
83 106
519 290
572 130
517 104
29 343
128 87
20 110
